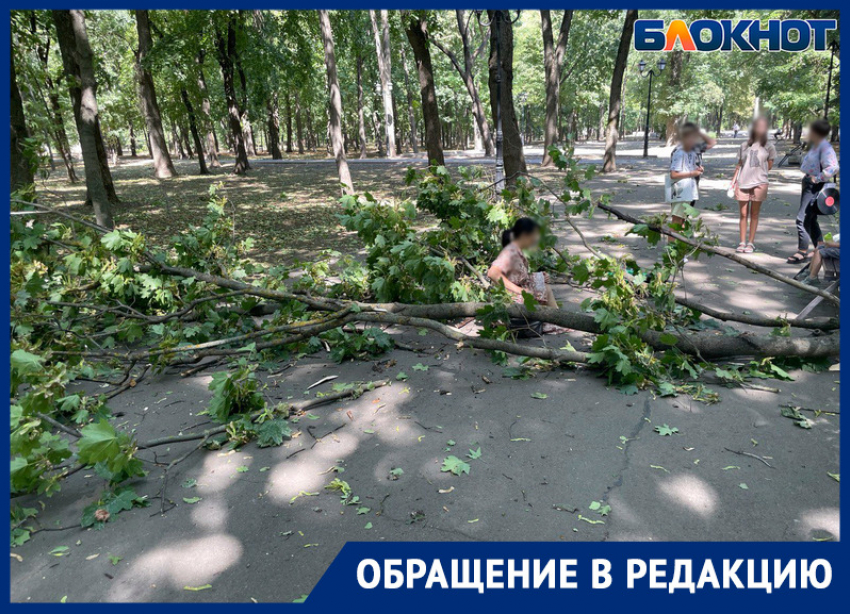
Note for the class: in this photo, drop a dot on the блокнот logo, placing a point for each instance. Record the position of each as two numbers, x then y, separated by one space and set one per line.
725 35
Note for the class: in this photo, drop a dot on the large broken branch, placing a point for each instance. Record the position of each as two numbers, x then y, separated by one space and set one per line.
707 345
721 251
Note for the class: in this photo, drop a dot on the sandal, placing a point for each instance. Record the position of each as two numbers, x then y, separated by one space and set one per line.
741 248
799 257
750 248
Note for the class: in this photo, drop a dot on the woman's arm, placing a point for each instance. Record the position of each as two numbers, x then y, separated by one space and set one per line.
709 142
497 275
829 164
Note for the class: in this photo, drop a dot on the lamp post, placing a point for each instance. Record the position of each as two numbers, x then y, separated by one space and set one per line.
662 64
833 47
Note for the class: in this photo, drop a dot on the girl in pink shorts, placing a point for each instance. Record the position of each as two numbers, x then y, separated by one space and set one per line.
755 159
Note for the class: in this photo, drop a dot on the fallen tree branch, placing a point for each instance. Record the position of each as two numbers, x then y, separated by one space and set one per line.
721 251
708 345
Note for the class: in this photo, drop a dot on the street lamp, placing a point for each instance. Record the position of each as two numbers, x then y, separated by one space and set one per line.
662 64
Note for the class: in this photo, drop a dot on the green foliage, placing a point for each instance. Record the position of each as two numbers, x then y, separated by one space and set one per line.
235 392
357 344
110 505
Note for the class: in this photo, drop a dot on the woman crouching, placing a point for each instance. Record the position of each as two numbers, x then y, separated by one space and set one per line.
511 270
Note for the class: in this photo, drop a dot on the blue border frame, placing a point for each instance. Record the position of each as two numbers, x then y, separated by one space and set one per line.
340 577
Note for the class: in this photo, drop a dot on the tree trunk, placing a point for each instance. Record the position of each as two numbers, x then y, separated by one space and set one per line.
288 123
382 50
299 128
54 111
335 105
162 164
553 55
361 121
411 114
212 141
226 45
615 98
274 128
196 135
417 34
501 35
133 152
79 71
22 177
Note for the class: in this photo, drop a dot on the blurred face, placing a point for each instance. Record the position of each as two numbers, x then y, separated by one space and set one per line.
760 128
689 140
528 240
814 137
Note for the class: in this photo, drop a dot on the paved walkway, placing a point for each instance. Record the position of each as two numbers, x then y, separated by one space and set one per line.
266 529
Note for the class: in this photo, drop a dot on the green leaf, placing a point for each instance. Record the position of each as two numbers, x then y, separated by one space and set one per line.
665 430
273 433
402 376
99 442
539 395
420 367
474 454
455 465
191 500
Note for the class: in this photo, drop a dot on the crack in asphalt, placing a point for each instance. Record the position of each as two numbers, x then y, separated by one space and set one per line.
618 480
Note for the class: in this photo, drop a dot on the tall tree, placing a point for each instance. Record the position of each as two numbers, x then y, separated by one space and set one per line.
417 34
361 120
22 177
382 49
467 74
193 128
273 125
57 124
225 35
78 60
615 99
162 164
335 104
553 58
411 113
502 89
212 142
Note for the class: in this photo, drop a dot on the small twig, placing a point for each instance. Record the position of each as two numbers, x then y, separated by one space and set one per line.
755 456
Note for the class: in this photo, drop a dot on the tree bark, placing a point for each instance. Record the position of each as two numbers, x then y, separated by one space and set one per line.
22 177
274 128
335 104
162 164
288 123
501 35
193 128
615 98
212 141
361 120
299 128
133 152
417 34
553 56
79 70
382 49
226 46
411 114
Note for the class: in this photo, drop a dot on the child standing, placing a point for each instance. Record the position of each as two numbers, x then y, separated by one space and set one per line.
682 182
